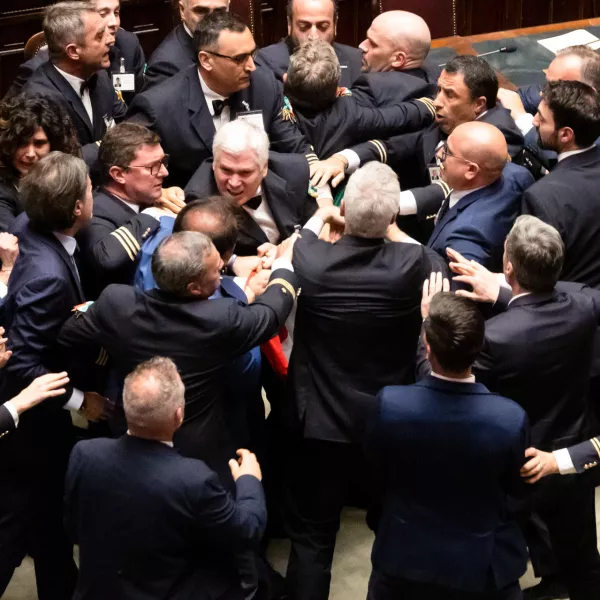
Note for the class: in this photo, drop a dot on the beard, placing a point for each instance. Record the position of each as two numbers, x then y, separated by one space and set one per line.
549 144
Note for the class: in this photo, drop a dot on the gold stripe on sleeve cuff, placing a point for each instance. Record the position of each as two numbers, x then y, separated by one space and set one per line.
124 243
131 237
596 445
286 285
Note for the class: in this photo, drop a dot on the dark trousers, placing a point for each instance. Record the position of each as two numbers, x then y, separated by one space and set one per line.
319 475
31 523
566 504
385 587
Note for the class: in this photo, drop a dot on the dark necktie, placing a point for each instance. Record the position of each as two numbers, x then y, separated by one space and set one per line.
218 106
254 203
75 260
443 209
88 84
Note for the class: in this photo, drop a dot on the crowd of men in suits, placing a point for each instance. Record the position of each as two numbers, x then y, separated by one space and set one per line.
401 262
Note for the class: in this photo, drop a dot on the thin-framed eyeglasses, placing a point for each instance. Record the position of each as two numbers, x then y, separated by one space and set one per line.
155 167
239 59
445 152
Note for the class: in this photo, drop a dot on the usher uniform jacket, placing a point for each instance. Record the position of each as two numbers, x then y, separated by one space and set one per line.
177 111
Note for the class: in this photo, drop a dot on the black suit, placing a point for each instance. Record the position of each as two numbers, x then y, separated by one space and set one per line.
105 103
277 58
567 199
177 110
357 326
382 89
287 198
346 122
127 47
10 203
202 337
44 287
538 353
175 534
7 423
175 53
111 244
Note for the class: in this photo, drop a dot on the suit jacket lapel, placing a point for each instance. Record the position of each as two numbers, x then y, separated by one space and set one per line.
277 196
465 201
96 99
249 227
69 93
200 117
431 138
54 243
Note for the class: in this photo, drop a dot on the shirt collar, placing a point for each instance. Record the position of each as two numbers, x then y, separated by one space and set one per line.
470 379
209 95
74 81
134 207
170 444
518 296
563 155
481 115
187 29
69 243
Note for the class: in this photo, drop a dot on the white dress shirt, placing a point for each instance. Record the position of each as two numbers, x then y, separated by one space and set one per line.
264 218
225 116
76 83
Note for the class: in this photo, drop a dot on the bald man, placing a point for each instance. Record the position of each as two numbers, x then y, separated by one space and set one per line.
394 60
176 52
310 20
484 201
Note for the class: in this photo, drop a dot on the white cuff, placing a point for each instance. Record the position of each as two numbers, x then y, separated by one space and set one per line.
314 224
408 204
282 263
324 191
75 401
564 462
353 160
524 123
13 412
3 290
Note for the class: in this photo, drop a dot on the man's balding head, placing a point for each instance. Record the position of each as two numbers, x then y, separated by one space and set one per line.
397 40
475 153
576 63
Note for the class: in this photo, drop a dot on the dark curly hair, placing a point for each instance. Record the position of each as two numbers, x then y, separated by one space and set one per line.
21 116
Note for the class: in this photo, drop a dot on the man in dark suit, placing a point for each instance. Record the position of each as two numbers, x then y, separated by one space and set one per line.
476 216
538 352
462 544
310 20
274 201
178 531
330 122
362 295
44 288
126 52
189 108
76 73
177 51
202 336
126 210
394 60
568 122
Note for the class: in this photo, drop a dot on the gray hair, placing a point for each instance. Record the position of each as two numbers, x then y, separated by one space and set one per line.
371 200
64 25
179 260
313 76
51 189
238 136
153 392
536 252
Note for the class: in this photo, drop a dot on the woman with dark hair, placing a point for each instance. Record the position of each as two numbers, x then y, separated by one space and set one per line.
31 127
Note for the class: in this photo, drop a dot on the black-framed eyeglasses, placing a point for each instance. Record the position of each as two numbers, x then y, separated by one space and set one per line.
445 152
155 167
239 59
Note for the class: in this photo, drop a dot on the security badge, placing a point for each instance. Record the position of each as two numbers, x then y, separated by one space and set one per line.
435 172
123 81
254 117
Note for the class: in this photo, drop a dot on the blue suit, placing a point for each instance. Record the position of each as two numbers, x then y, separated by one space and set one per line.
243 376
477 225
450 453
530 97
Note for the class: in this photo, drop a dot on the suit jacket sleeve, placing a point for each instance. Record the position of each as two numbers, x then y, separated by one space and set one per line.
142 112
7 423
252 325
472 244
116 251
530 96
390 120
585 453
37 320
572 287
235 522
429 199
158 70
515 485
532 205
119 107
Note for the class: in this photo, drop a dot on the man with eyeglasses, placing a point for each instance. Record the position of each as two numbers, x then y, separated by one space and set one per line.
127 207
177 50
188 109
484 201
